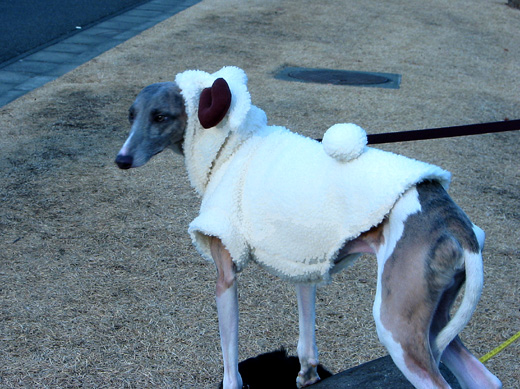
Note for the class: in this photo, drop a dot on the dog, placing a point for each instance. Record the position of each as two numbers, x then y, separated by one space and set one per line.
426 247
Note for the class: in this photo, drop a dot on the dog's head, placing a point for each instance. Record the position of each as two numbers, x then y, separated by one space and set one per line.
161 112
158 119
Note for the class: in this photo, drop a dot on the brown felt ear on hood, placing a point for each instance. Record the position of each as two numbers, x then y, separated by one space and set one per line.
214 103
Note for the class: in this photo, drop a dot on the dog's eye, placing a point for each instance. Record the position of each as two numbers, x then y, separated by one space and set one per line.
160 118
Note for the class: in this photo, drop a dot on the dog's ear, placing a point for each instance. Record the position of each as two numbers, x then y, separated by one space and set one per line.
214 103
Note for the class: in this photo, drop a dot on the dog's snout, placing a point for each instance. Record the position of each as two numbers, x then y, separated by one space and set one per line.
124 161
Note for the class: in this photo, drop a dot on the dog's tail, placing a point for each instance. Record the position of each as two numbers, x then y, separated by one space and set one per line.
472 291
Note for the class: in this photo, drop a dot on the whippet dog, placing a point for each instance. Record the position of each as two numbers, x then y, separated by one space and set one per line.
426 249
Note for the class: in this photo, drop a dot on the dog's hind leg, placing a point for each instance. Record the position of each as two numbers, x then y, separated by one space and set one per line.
405 299
468 370
227 307
402 314
307 350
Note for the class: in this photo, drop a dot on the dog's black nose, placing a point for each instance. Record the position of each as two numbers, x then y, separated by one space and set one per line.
124 161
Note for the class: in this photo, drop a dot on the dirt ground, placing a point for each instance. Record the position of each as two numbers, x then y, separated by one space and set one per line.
99 283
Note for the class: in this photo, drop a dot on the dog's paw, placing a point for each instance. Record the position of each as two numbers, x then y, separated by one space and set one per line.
308 375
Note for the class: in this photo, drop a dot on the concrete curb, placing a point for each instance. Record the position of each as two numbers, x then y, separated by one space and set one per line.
380 373
37 69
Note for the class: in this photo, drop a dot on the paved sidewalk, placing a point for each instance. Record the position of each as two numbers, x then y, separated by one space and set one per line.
37 69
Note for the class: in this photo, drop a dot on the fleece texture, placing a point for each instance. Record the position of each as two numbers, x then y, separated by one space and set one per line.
283 200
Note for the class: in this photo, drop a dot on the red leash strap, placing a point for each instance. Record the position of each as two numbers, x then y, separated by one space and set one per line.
444 132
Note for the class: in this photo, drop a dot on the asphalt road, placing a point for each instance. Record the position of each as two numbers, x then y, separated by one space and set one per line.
28 25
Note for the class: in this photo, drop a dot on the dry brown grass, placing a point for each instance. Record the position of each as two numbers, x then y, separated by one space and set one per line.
99 284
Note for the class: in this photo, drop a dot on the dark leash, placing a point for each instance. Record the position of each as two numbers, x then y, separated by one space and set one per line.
443 132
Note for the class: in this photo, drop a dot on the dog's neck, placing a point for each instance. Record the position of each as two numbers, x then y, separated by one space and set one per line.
201 149
205 150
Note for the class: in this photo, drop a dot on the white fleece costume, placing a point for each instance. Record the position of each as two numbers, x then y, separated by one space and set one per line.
281 199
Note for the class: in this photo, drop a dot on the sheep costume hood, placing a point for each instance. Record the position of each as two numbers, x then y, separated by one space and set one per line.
283 200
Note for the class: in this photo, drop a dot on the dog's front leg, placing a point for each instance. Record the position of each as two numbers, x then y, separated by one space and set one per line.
227 307
307 350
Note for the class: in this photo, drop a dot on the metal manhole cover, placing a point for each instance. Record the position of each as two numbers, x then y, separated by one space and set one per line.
340 77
